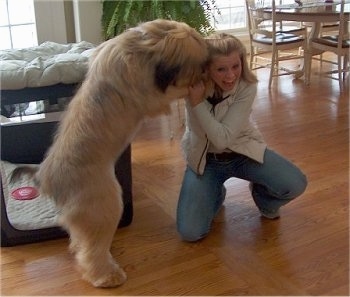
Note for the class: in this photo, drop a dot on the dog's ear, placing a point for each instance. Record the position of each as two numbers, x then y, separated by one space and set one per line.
165 75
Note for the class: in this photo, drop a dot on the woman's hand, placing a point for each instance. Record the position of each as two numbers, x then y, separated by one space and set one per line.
196 93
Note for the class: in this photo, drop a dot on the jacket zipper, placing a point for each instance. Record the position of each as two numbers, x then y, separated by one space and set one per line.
203 154
207 143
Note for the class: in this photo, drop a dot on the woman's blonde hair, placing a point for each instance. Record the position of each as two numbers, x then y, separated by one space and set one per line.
223 44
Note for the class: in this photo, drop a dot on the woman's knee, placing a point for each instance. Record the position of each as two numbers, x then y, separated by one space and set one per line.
300 185
190 234
294 187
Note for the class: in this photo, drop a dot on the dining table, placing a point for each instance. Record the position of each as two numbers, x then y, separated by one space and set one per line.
313 12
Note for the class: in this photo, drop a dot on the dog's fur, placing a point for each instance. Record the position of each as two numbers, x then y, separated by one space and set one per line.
133 75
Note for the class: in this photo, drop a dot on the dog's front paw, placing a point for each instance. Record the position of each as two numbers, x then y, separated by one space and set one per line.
112 279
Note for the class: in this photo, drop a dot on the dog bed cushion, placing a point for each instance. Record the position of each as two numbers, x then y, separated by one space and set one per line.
47 64
37 213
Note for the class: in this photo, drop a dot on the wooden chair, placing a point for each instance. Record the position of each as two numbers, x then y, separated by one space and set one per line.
272 37
339 44
325 28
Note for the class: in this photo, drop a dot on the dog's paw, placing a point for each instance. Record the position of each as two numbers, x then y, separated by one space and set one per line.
110 280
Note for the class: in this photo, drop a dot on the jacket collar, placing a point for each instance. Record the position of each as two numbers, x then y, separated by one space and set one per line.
213 99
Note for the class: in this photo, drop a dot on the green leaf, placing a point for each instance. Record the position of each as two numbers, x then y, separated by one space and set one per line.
120 15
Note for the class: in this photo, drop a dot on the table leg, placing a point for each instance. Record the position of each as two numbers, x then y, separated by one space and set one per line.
309 52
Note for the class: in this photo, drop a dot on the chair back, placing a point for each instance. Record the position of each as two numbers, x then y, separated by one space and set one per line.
258 24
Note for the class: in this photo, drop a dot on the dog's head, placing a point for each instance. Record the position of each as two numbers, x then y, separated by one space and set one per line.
177 51
156 61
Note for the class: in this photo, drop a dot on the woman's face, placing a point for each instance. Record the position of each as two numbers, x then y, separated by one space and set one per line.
226 70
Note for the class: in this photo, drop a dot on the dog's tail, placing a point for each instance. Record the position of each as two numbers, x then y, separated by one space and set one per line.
22 171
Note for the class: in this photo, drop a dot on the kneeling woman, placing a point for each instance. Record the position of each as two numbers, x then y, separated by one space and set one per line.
221 142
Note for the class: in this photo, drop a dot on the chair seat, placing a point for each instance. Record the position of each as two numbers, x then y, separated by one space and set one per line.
286 29
281 38
292 30
329 26
332 41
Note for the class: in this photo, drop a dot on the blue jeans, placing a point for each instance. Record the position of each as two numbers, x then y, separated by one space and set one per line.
274 183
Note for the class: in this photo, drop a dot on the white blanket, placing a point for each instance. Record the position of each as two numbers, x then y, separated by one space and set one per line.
44 65
37 213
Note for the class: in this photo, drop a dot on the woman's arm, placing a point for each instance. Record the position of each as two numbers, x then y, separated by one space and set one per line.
223 133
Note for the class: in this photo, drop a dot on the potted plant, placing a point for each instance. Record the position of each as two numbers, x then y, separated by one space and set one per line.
120 15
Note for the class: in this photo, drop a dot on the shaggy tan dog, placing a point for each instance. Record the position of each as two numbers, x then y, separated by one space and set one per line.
133 75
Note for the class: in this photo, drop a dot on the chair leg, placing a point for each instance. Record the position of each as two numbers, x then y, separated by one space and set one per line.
345 66
307 66
340 72
321 60
252 55
273 66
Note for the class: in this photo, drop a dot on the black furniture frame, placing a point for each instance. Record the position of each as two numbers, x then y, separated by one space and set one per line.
28 143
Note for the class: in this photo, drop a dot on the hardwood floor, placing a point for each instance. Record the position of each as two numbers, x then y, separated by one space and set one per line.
305 252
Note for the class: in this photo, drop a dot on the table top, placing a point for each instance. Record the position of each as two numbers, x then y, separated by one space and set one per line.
318 7
311 11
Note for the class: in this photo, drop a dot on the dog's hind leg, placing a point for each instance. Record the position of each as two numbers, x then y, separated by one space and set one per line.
91 224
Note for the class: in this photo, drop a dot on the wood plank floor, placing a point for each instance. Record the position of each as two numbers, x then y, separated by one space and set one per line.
306 252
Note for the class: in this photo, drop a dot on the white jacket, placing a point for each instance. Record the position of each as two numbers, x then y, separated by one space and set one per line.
227 127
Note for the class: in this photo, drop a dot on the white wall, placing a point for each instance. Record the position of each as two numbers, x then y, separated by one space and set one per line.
50 21
56 22
87 20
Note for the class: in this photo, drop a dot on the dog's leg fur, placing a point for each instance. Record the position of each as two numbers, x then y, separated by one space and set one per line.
92 235
79 173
